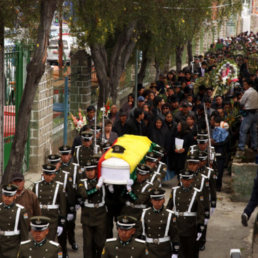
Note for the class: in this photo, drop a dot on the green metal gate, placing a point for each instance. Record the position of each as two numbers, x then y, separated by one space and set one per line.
15 62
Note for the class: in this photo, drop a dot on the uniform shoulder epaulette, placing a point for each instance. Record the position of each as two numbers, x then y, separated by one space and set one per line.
111 239
20 206
84 179
25 242
146 209
37 182
196 189
58 182
140 240
78 146
175 187
170 211
66 172
53 243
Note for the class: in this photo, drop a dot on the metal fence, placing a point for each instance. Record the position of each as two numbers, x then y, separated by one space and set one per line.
15 61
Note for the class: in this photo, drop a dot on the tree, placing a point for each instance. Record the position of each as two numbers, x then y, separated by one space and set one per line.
35 70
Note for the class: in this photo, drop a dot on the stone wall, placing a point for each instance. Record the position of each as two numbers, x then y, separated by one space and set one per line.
41 122
80 90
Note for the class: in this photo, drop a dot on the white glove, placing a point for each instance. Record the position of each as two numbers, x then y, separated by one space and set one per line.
129 185
77 206
70 216
100 182
174 256
130 182
212 211
111 188
206 221
59 230
198 236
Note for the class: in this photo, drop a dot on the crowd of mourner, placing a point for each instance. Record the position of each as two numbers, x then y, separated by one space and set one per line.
196 130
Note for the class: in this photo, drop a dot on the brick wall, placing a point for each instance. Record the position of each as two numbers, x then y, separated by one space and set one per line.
80 91
41 123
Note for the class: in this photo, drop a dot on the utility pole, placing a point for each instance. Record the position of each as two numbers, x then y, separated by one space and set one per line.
136 77
60 41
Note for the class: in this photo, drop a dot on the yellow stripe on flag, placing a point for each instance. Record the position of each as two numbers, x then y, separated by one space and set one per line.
135 149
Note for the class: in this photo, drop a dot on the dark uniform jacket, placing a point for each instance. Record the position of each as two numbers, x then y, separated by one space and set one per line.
114 248
138 199
211 178
187 203
160 231
45 249
51 206
82 154
12 233
93 208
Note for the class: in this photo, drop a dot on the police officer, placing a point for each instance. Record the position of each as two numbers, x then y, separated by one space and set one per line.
151 160
93 217
138 195
13 223
211 188
25 197
159 227
162 167
84 152
125 244
73 203
39 246
187 203
52 200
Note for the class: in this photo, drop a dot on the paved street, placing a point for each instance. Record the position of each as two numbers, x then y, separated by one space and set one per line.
224 232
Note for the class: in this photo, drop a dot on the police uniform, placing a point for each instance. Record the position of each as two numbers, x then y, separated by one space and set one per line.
187 204
93 216
210 176
162 167
44 249
159 229
139 197
155 175
82 153
13 225
73 178
133 248
52 201
63 176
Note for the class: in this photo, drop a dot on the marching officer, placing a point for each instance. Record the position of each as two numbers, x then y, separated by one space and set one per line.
138 195
93 217
63 176
151 160
73 178
13 223
162 167
211 187
187 203
159 227
52 200
39 246
125 244
84 152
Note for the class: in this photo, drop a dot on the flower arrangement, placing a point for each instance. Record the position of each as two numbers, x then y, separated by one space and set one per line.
78 123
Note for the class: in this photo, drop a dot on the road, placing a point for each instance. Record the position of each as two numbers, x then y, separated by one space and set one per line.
224 230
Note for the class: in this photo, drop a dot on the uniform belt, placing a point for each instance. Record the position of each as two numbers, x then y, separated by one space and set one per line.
157 240
137 206
186 214
9 233
49 207
93 205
